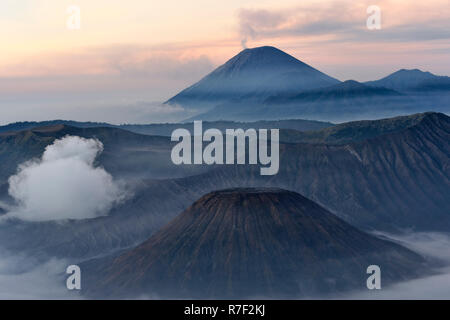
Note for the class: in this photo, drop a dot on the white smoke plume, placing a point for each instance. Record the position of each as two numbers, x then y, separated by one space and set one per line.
64 183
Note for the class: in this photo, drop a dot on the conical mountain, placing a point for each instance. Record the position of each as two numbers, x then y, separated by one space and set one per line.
252 74
243 243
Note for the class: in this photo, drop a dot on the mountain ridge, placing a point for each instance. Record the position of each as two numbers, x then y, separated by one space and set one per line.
354 131
165 129
412 80
390 180
334 103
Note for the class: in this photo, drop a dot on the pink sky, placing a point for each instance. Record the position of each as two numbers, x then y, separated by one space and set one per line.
140 50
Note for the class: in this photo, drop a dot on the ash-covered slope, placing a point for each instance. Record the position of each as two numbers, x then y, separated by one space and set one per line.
241 243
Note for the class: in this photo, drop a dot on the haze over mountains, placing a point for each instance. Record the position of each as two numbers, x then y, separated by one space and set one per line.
225 230
266 83
386 175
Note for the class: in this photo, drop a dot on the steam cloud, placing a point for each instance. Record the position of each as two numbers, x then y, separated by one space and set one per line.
251 22
64 183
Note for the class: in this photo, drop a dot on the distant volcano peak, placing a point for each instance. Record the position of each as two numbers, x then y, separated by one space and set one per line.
253 74
263 49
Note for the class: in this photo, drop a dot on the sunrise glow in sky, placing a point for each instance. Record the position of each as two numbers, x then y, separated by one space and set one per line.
127 53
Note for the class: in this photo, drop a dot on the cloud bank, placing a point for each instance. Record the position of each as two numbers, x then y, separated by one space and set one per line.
434 246
64 183
115 84
24 278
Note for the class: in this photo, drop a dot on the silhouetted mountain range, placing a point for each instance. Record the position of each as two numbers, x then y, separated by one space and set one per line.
337 102
225 231
243 243
166 129
347 89
266 83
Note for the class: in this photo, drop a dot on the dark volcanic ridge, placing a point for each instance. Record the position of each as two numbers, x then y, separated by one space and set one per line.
387 175
244 243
